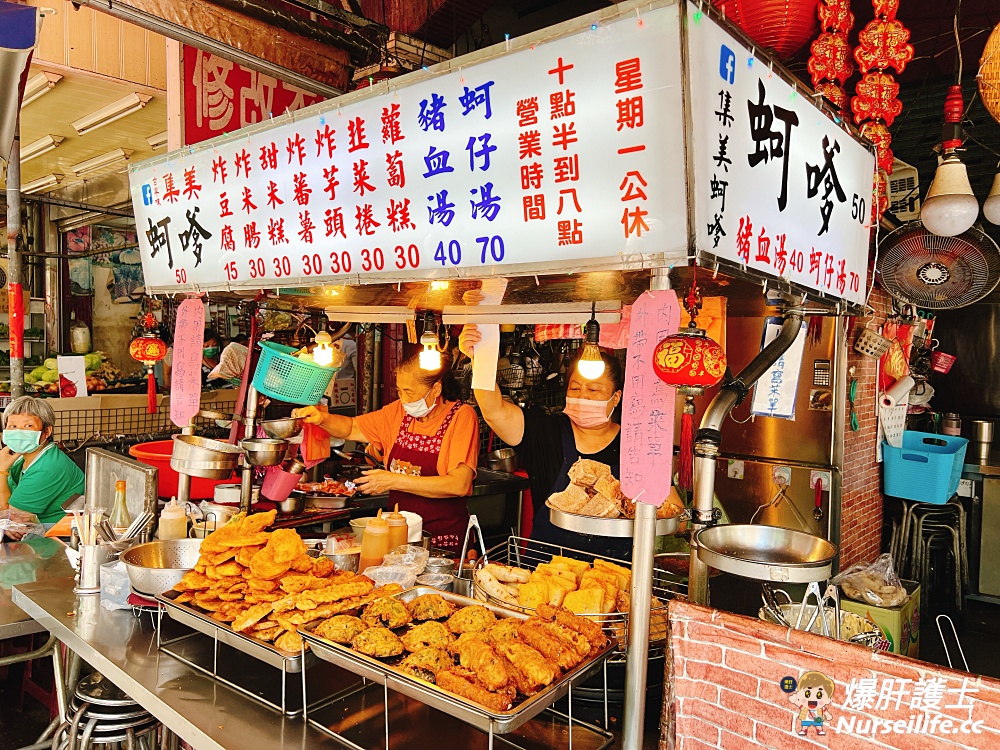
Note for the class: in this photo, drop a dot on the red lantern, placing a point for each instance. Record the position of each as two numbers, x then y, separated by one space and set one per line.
148 349
690 361
773 24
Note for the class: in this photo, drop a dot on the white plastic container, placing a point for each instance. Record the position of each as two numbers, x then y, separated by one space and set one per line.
173 521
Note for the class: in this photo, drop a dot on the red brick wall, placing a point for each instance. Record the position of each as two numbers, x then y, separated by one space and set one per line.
861 504
724 672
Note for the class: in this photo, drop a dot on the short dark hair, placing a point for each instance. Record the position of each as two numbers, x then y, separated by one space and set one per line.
450 390
211 333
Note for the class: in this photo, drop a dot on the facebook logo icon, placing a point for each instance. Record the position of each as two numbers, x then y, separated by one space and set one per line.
727 64
147 195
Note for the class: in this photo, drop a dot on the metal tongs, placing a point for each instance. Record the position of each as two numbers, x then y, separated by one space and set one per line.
832 593
473 523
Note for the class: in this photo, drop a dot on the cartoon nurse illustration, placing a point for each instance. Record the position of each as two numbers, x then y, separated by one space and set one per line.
812 693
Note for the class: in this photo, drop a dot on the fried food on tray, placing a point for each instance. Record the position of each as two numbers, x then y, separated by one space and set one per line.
430 634
340 629
427 663
475 654
264 565
240 531
463 682
550 643
331 593
504 630
531 670
507 573
488 583
252 616
587 628
431 607
386 611
286 545
471 619
585 472
296 584
290 640
323 567
194 581
378 642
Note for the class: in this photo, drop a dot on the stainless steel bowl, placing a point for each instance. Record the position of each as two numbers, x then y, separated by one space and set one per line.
203 457
504 459
282 428
264 451
767 553
158 566
293 505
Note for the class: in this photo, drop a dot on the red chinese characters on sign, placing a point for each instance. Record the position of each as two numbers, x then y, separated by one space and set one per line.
628 88
221 96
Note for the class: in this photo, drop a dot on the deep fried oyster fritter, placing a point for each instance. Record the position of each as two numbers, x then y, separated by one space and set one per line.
340 629
463 682
386 611
475 654
471 619
428 634
378 642
427 663
532 671
504 630
431 607
587 628
550 645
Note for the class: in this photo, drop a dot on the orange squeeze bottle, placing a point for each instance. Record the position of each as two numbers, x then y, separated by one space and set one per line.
375 543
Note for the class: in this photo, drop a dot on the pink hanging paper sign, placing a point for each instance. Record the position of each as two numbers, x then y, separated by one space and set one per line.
648 403
185 375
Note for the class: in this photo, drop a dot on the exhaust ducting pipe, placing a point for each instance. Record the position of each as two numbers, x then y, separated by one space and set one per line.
706 445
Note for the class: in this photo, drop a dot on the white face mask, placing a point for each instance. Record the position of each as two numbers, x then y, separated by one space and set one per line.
419 408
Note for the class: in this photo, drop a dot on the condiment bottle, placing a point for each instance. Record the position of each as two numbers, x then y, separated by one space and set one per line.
375 543
397 528
173 521
120 519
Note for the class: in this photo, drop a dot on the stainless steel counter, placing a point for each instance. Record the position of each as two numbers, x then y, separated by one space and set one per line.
24 562
123 648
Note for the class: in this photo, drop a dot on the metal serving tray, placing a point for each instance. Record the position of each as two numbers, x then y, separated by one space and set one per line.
287 661
465 710
616 527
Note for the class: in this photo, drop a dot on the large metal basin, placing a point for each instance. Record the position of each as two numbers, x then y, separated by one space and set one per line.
203 457
767 553
158 566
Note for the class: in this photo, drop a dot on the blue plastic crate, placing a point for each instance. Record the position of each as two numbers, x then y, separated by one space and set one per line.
927 468
281 376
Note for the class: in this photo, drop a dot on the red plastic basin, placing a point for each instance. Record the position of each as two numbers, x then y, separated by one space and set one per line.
157 453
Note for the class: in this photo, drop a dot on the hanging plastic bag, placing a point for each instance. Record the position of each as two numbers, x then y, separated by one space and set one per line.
875 584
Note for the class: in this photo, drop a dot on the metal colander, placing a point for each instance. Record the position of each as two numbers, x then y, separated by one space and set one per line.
158 566
938 273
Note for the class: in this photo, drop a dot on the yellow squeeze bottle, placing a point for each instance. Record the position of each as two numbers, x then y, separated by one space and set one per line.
375 543
397 528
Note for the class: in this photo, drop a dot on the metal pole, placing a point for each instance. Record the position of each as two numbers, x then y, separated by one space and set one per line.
14 261
249 429
637 659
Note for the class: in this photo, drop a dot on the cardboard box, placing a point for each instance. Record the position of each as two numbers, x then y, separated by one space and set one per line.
901 625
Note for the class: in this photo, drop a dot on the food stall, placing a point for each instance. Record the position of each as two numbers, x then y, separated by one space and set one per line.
562 175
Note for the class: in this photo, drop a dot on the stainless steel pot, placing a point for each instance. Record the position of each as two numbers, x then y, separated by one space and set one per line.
767 553
504 459
203 457
282 429
264 451
293 505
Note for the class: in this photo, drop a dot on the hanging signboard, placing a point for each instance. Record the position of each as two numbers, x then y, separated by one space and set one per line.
779 187
555 153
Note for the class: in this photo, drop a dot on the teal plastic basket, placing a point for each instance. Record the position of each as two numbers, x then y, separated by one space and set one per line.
927 468
281 376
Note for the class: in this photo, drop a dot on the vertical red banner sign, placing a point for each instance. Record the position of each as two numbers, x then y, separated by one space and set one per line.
15 306
185 375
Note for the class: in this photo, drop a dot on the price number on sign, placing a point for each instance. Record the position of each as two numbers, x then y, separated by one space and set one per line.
312 264
408 256
181 275
257 269
372 259
340 262
492 244
282 266
232 274
858 209
453 253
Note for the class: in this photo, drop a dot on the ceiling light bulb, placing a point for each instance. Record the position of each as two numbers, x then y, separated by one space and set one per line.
323 353
430 359
591 364
991 206
950 207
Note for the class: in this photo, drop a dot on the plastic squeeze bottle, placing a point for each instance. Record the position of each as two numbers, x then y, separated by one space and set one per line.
397 528
173 521
375 543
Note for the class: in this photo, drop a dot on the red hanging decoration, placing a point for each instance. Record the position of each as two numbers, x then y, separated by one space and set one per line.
880 137
830 55
884 44
776 25
877 99
148 348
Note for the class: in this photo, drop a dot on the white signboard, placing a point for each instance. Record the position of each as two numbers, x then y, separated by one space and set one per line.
557 151
774 393
779 186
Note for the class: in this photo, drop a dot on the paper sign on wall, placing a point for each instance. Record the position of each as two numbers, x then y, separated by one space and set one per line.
648 403
185 375
72 377
774 394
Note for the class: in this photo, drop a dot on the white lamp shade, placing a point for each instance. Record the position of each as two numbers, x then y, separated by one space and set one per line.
950 207
991 207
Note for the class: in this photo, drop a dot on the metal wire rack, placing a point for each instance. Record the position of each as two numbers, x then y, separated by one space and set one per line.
75 427
529 554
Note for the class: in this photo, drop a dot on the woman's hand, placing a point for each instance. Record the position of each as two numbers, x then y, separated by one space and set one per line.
376 481
309 414
468 338
7 458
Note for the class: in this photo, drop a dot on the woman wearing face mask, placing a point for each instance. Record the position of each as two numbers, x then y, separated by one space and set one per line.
547 445
430 441
210 351
35 476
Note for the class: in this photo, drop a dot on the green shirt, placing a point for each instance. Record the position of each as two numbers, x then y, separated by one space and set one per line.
46 484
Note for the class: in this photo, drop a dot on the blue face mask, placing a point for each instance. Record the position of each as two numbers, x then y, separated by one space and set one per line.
22 441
